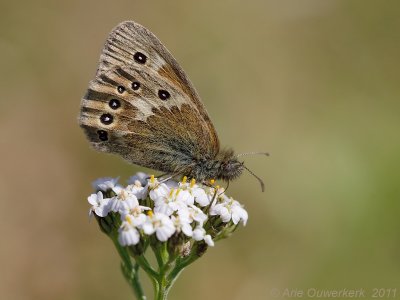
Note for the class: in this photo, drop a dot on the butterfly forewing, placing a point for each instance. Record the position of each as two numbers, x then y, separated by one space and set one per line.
142 106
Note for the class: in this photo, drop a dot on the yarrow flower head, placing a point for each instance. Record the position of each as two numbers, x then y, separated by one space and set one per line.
178 220
148 205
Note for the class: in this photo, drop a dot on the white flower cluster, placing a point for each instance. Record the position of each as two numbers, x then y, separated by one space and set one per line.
147 206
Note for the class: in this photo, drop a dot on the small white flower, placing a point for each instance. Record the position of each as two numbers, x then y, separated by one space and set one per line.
230 210
213 194
138 190
239 214
128 234
117 203
140 177
130 209
171 202
100 205
196 214
136 219
185 197
194 192
199 234
152 182
201 197
104 184
159 192
182 223
160 224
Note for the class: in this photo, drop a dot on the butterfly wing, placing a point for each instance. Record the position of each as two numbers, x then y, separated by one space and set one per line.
142 106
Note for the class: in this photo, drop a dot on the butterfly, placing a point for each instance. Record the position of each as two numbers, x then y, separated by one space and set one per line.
143 107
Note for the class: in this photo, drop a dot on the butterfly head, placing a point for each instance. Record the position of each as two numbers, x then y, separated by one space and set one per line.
228 166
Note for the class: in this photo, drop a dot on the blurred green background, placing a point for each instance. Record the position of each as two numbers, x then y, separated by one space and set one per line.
315 83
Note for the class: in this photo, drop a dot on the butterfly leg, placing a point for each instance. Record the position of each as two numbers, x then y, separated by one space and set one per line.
169 177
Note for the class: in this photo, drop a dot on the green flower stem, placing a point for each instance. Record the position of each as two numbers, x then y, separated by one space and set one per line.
157 253
180 265
167 276
129 270
144 264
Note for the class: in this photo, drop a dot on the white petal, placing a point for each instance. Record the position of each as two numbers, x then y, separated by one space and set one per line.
101 211
225 214
160 192
92 199
164 209
117 189
128 236
215 209
235 218
115 204
184 215
148 228
209 240
187 229
139 192
162 235
244 216
198 234
143 208
138 220
140 176
104 184
91 213
127 205
185 197
201 197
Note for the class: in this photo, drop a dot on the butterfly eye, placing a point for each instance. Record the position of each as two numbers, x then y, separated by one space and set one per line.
103 136
163 94
140 58
114 104
106 119
135 85
120 89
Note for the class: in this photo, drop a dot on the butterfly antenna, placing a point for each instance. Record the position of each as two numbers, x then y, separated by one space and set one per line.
227 186
258 178
253 153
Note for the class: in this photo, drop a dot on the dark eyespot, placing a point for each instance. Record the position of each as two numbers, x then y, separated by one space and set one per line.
163 94
106 119
114 103
135 85
140 58
103 135
120 89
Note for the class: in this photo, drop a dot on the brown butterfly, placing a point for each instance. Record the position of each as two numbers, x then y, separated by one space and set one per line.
143 107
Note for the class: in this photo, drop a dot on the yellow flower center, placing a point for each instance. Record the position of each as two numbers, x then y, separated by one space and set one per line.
192 182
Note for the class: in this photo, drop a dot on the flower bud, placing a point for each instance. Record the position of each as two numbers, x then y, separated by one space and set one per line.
105 224
201 248
138 249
